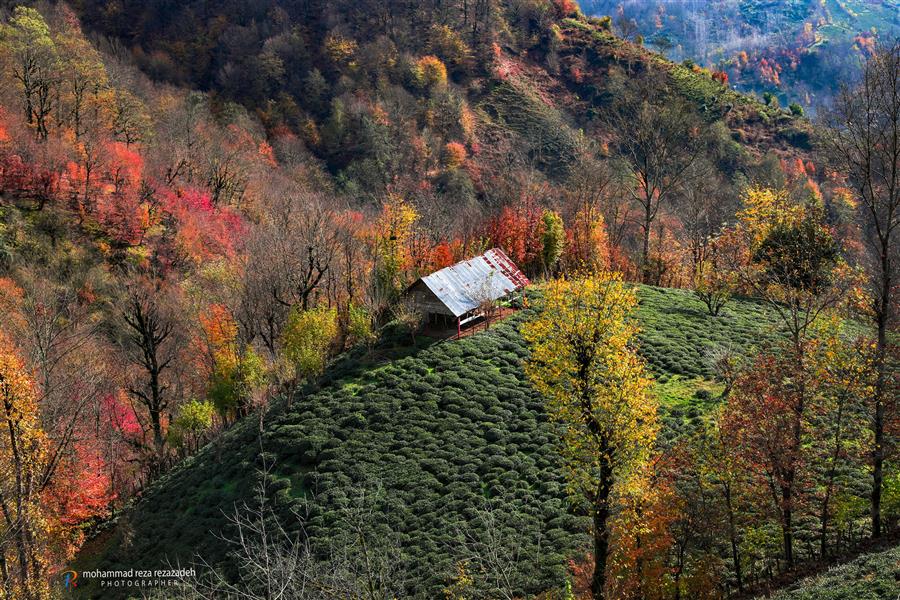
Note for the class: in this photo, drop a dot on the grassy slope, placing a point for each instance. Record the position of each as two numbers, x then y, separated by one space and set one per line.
873 576
442 430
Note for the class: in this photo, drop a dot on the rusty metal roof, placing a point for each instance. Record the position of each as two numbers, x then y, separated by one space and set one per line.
465 285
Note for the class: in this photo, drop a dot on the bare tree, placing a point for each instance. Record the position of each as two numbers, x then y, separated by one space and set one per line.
226 178
491 548
486 299
726 364
409 314
661 139
592 192
34 65
626 27
864 143
289 257
60 335
702 208
152 342
278 561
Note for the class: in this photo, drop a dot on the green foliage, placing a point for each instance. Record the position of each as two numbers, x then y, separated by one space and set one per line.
795 109
890 499
307 339
801 256
554 239
28 37
360 328
233 383
677 335
34 64
194 419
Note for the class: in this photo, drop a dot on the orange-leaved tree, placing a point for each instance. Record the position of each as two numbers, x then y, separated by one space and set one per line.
794 263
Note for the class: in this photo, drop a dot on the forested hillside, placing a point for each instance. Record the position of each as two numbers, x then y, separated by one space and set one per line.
210 214
797 51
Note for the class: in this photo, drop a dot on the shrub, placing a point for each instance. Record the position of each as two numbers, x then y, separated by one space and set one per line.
454 155
428 72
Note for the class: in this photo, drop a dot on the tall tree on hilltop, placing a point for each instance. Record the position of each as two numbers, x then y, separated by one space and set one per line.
863 141
584 363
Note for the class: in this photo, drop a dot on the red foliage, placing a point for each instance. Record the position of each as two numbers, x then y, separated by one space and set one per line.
576 73
123 216
565 8
81 488
455 154
124 165
267 154
763 417
120 416
203 230
26 180
518 233
442 256
582 570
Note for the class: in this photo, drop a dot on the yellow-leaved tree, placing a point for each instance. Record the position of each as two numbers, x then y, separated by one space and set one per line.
307 340
584 363
393 232
24 529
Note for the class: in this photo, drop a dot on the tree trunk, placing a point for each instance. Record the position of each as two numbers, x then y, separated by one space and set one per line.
732 535
645 251
878 397
829 487
787 526
679 569
601 532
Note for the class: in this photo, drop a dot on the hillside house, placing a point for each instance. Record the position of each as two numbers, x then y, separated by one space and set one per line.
460 293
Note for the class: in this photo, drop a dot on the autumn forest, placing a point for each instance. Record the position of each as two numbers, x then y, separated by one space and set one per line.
218 380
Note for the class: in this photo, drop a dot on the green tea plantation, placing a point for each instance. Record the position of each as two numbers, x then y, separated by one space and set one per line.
873 576
434 434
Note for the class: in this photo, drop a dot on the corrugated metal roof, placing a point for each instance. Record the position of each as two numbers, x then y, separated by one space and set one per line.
463 286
